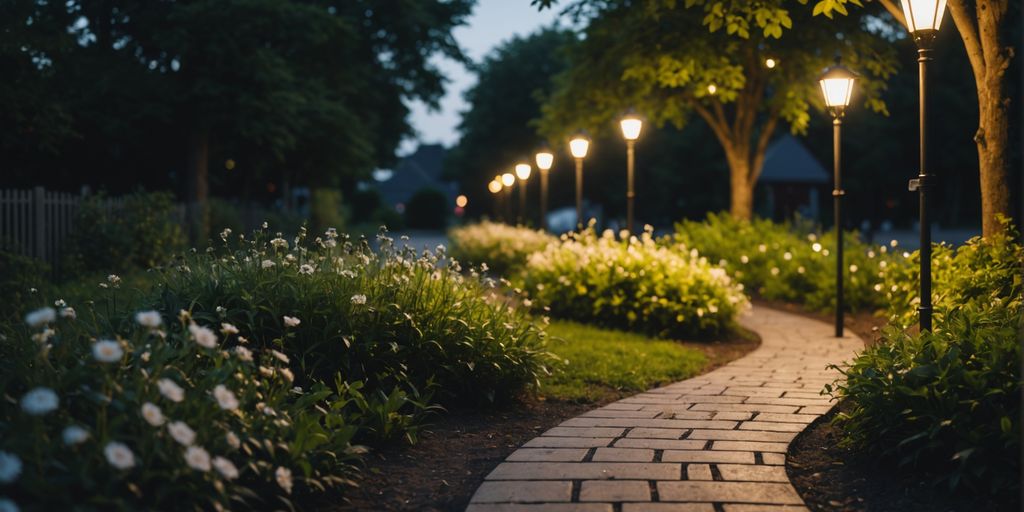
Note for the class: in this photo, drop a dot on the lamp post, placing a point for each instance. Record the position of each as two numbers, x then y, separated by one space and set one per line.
523 173
923 20
578 147
508 180
494 187
837 87
545 159
631 126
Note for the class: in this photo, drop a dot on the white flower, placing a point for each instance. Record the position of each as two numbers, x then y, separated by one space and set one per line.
204 337
787 256
816 247
10 467
762 248
800 269
288 375
291 321
266 372
279 243
878 287
182 433
119 455
775 271
7 505
359 299
280 356
853 268
243 353
74 434
107 351
306 269
893 243
151 319
152 414
145 356
69 313
114 279
267 263
197 458
39 401
226 399
233 440
170 390
225 468
284 478
44 335
41 317
227 328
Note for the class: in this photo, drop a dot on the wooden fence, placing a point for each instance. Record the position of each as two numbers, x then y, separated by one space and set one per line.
37 222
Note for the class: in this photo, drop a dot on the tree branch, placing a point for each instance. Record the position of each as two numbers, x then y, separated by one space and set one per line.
762 145
720 129
966 25
896 12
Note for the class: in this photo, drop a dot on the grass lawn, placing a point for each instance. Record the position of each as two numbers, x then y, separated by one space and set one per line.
603 364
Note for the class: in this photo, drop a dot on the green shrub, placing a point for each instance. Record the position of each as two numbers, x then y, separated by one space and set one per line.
143 231
392 318
109 414
19 275
635 284
325 209
948 400
427 209
503 248
789 262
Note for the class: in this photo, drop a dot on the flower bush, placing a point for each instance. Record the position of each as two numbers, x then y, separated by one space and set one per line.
632 283
947 400
789 262
157 415
502 248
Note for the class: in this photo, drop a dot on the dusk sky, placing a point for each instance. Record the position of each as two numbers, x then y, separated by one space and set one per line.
492 22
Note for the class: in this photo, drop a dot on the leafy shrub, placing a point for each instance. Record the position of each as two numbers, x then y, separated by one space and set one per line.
427 209
391 318
789 262
634 284
948 400
113 414
503 248
325 209
18 276
142 232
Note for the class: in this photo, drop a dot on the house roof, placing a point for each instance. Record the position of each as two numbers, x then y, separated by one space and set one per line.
788 161
417 171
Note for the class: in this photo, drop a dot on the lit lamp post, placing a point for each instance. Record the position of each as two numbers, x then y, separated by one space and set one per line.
545 159
837 87
631 126
494 187
578 147
923 20
508 180
523 173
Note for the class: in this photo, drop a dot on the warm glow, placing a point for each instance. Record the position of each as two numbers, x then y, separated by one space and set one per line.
712 89
579 146
523 171
631 127
494 186
508 179
770 63
837 91
545 160
923 14
462 201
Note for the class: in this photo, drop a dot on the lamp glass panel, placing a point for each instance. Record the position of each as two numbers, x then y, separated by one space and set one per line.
923 14
494 186
508 179
545 160
523 171
837 91
578 147
631 128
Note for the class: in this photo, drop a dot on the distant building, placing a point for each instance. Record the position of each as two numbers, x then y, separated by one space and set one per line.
792 181
418 171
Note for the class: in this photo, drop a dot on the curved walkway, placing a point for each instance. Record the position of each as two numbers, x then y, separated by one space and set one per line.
716 442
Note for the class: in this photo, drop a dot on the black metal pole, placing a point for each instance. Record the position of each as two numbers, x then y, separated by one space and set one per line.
543 199
837 199
630 193
522 202
924 182
579 194
508 206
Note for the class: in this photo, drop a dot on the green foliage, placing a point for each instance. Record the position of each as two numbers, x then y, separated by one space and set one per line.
596 362
632 284
325 209
948 400
390 317
427 209
502 248
790 262
19 275
140 231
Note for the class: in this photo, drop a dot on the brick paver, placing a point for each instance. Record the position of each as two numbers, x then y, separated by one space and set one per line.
713 442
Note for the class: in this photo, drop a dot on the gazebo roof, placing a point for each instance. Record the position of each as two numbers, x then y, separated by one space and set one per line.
789 161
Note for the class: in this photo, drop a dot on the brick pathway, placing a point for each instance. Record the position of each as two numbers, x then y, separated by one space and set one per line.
716 442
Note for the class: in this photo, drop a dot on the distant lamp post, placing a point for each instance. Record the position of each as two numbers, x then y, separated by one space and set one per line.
545 159
923 20
578 147
495 187
508 179
837 87
631 126
523 173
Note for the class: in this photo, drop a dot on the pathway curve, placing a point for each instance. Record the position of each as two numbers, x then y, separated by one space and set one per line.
716 442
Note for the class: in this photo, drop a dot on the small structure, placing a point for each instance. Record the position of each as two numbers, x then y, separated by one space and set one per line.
792 181
418 171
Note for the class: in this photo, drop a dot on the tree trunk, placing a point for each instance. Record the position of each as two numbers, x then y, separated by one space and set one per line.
198 173
741 187
992 139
